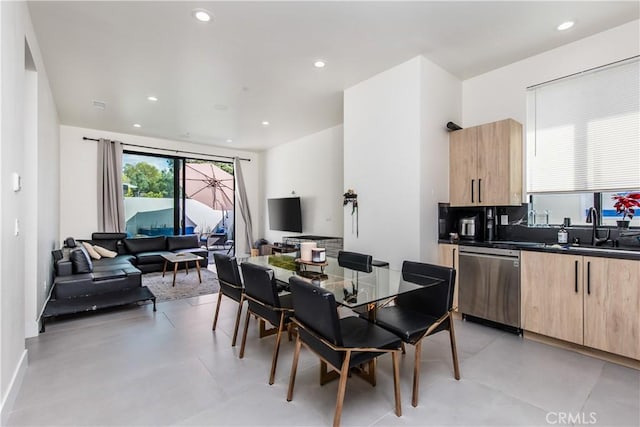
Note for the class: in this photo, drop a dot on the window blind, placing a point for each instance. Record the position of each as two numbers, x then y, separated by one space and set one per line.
583 132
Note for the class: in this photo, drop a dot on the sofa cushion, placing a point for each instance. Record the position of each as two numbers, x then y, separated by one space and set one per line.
80 260
182 242
146 244
92 252
111 241
104 252
151 257
119 260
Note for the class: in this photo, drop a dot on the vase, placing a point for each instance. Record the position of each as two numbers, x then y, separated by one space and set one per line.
623 224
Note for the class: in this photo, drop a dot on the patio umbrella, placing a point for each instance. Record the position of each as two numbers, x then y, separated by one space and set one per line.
210 185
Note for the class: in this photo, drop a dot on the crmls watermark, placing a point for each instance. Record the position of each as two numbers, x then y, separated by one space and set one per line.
568 418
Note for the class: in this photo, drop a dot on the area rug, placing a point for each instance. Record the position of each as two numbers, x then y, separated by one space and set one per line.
187 285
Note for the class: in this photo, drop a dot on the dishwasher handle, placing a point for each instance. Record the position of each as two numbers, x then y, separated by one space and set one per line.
491 256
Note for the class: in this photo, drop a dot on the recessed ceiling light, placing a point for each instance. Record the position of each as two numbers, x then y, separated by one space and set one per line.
201 15
137 125
229 140
265 123
319 64
565 25
152 98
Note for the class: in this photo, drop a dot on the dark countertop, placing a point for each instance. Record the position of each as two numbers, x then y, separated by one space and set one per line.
600 251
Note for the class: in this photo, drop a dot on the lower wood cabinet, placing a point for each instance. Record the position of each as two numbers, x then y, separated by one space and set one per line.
612 305
590 301
448 257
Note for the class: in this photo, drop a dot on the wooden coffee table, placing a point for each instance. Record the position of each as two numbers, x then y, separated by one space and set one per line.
176 259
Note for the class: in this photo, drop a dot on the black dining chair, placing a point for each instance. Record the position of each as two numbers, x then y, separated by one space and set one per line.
355 261
261 292
423 312
230 286
340 343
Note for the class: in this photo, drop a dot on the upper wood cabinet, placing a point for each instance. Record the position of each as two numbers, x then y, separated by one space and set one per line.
486 165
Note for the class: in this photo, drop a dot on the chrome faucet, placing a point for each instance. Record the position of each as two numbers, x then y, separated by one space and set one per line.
592 218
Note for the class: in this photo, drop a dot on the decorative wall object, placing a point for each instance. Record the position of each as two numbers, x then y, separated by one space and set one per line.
350 197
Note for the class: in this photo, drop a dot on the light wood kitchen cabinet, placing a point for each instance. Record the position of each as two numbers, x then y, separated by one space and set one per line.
486 165
551 295
612 305
591 301
448 257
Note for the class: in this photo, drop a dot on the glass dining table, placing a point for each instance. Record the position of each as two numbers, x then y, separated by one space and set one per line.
351 288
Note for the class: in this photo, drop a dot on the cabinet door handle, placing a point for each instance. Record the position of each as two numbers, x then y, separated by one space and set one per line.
453 260
589 278
576 274
479 190
473 181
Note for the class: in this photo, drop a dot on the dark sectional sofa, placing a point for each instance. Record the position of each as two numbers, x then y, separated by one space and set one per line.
82 284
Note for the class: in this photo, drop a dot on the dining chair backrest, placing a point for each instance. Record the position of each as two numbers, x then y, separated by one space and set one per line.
260 285
355 261
434 300
315 308
228 275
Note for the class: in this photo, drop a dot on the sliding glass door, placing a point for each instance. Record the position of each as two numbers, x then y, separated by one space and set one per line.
166 195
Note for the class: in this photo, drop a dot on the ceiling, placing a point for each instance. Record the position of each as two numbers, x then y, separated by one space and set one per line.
253 61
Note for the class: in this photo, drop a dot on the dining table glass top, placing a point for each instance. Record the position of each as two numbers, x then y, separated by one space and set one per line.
351 288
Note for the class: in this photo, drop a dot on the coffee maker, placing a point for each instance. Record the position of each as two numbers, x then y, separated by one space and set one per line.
468 227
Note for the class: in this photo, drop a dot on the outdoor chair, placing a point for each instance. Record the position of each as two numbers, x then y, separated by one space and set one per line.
342 344
422 312
264 302
230 286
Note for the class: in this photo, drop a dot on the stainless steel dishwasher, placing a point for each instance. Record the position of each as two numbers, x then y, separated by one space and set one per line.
489 284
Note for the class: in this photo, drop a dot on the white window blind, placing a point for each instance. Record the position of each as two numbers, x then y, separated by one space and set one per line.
583 132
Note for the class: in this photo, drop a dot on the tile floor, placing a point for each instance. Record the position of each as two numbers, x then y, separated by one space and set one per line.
136 367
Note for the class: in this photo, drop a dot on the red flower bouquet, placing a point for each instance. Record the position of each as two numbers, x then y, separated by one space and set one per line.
626 204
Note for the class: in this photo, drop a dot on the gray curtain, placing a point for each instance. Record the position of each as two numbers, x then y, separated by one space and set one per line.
243 203
110 197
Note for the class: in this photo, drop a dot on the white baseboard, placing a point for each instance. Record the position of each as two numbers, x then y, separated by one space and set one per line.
31 328
14 388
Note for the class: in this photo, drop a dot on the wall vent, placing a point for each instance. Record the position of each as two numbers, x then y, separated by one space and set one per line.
100 105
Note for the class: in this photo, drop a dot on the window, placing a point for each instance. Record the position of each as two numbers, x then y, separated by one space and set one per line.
583 142
583 132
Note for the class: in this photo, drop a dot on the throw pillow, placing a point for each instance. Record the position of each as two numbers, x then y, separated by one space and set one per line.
81 261
92 252
105 252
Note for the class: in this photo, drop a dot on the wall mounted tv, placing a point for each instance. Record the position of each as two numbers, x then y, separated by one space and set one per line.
285 214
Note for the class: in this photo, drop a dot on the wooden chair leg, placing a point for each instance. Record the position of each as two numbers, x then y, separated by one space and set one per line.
454 350
244 335
238 315
416 375
342 387
215 316
276 350
294 369
396 382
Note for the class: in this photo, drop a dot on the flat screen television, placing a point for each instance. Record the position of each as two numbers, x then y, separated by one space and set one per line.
285 214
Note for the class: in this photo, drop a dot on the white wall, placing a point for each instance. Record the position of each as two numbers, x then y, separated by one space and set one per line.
79 177
501 93
32 153
312 168
441 97
396 152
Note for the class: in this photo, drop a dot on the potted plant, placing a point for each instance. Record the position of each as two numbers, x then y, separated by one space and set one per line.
626 204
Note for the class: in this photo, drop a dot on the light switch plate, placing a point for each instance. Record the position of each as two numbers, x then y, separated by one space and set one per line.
504 219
